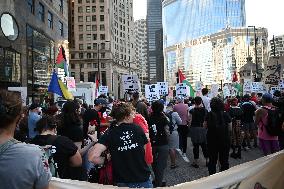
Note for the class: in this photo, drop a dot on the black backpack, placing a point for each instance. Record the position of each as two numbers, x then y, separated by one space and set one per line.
273 126
171 125
157 131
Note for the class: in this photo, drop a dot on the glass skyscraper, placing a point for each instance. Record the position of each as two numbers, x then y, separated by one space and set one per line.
189 19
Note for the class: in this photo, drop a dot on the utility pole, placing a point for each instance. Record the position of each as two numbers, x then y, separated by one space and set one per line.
255 52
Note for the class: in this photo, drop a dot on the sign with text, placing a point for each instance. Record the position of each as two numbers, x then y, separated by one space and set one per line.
71 84
163 88
247 86
130 83
152 92
182 90
274 70
281 84
214 90
273 89
103 90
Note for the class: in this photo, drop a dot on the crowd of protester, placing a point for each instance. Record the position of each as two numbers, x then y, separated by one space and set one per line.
128 143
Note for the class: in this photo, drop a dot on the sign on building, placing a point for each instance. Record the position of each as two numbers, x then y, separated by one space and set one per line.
152 92
163 88
130 83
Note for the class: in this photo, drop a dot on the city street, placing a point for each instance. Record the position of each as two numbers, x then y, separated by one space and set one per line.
186 173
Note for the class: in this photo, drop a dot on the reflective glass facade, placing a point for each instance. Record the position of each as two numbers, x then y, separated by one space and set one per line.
189 19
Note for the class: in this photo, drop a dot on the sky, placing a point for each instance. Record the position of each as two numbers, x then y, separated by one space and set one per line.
259 13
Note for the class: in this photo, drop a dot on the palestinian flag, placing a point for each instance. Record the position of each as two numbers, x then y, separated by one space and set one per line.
191 90
61 59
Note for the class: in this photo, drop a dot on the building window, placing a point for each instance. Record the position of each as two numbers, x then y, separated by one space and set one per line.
103 65
95 46
82 76
88 9
103 55
103 45
61 5
94 27
102 18
61 29
95 55
80 27
72 66
88 19
89 46
50 19
102 27
89 37
93 8
94 36
31 5
73 74
102 8
80 9
72 56
81 37
88 27
80 18
95 65
101 1
79 1
41 12
89 65
81 55
94 19
87 1
102 36
81 47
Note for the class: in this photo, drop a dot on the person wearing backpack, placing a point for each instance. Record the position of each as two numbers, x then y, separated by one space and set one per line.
65 154
174 121
159 137
267 120
219 124
197 131
22 165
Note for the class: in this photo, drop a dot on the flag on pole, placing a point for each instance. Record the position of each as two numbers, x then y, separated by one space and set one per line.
61 61
235 77
181 77
58 87
191 90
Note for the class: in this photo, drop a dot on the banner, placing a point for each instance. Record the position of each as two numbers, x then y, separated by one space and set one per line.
130 83
274 70
23 91
182 90
163 88
103 90
71 84
262 173
152 92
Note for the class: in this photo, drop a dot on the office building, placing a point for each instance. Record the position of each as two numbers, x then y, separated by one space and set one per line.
101 42
276 46
155 45
140 36
31 32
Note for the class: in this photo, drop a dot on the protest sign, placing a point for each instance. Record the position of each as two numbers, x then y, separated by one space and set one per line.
152 92
130 83
71 84
182 90
274 70
103 90
273 89
163 88
281 84
226 91
247 86
214 90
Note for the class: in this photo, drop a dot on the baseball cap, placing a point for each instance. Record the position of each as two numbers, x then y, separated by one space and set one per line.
101 101
34 106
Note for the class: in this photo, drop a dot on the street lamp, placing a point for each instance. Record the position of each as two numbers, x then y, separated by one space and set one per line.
255 52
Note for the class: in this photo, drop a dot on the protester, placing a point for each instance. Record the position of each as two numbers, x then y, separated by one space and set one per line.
249 127
159 133
22 129
126 142
236 114
268 143
278 102
175 120
219 125
197 131
205 99
182 110
67 156
22 165
34 116
140 106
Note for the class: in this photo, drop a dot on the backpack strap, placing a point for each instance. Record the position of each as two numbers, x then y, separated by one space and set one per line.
7 145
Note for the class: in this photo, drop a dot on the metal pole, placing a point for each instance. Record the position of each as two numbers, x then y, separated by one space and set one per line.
99 72
255 50
274 47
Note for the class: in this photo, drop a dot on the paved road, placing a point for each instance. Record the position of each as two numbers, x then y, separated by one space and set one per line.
185 173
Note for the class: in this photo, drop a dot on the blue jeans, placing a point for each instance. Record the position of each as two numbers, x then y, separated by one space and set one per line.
147 184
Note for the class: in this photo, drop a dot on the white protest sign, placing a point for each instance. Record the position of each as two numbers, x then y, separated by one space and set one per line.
247 86
71 84
198 86
281 84
182 90
152 92
130 83
226 91
273 89
274 70
214 90
103 89
23 91
163 88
